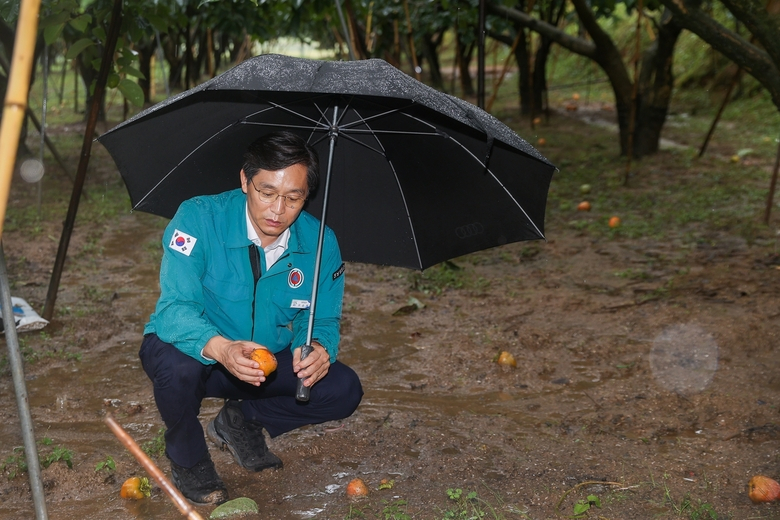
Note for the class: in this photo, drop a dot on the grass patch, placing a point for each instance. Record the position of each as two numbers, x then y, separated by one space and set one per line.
155 448
15 463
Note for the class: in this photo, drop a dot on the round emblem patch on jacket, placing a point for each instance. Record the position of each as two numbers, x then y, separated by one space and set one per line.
295 278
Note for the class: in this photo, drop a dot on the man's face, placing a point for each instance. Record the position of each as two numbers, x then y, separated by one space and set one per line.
270 219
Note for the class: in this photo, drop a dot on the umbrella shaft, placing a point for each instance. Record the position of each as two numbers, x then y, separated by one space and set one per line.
318 257
302 392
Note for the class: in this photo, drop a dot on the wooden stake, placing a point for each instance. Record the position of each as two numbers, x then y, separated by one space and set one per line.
772 185
503 71
151 468
15 107
723 104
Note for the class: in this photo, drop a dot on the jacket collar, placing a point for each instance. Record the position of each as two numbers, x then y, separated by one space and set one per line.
236 234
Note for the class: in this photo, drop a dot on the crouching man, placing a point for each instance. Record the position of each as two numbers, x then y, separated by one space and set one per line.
236 275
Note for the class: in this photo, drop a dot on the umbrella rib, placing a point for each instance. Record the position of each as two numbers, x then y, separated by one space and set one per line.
487 169
350 138
287 125
307 118
390 132
164 177
375 116
400 189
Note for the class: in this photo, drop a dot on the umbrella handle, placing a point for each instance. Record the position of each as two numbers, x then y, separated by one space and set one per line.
302 392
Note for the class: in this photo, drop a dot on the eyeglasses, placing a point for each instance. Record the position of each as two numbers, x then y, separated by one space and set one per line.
269 197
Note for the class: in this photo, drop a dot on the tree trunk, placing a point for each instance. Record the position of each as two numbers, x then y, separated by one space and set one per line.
357 34
175 63
199 59
464 60
237 47
655 87
540 73
145 53
430 54
187 55
524 72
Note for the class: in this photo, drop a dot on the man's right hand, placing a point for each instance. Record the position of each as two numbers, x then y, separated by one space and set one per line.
234 355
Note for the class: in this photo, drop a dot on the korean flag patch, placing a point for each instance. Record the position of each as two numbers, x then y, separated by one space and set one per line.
182 242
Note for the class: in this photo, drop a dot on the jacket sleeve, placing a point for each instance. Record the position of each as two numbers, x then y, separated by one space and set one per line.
180 317
327 314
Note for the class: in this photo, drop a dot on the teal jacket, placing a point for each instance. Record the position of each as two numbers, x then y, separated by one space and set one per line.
207 287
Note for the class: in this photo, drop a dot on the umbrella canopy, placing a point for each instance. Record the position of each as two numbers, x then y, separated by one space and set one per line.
418 176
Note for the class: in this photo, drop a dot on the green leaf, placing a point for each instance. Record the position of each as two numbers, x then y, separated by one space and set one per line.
86 3
80 23
123 60
132 71
51 33
55 19
157 22
99 33
136 33
593 499
581 508
78 47
132 92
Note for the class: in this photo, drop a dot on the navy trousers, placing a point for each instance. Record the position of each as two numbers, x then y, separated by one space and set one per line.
181 383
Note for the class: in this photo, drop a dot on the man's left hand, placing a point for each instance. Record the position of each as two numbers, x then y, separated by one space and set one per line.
314 367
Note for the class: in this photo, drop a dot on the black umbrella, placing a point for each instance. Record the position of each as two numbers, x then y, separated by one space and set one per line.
419 176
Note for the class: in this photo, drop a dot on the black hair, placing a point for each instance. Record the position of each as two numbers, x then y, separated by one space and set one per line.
279 150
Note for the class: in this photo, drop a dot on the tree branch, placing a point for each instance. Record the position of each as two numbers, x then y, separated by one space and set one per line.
753 59
762 26
574 44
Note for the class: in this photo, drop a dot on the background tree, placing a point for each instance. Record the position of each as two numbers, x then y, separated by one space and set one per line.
532 77
655 87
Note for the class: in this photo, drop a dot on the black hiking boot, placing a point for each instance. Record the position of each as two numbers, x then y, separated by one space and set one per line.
244 439
200 484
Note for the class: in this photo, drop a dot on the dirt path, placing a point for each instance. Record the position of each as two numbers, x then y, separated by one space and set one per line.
648 366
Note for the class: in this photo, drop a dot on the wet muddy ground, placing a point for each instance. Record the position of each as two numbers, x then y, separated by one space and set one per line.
647 376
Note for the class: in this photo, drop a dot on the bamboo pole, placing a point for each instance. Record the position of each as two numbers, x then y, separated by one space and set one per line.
16 363
14 112
15 108
175 495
